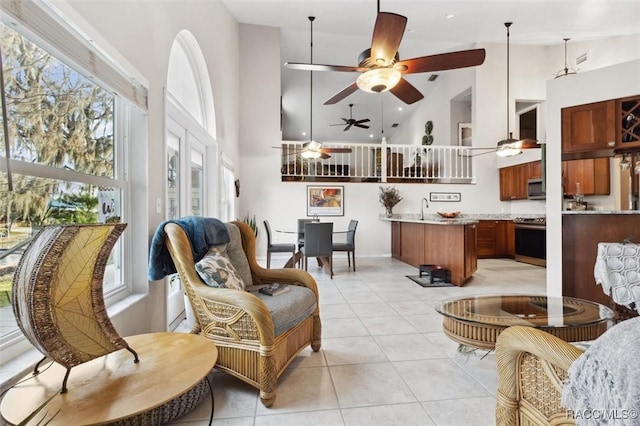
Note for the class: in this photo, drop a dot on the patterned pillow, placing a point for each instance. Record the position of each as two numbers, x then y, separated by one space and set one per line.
216 270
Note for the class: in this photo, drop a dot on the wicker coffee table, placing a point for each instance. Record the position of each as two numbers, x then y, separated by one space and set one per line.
477 321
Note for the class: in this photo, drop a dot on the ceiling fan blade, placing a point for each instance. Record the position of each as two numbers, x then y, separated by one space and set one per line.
342 94
364 120
363 126
337 150
321 67
406 92
348 127
442 61
387 35
324 156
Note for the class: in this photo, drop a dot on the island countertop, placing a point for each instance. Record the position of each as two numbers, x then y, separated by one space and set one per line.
433 220
463 219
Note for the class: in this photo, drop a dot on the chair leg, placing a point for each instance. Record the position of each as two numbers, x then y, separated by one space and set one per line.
353 255
268 259
331 265
348 260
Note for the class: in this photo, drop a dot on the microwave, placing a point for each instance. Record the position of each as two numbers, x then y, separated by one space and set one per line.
535 189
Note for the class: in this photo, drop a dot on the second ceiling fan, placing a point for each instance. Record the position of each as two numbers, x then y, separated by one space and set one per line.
382 68
348 122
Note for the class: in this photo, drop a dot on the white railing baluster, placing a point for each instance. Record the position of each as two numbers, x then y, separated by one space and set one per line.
377 162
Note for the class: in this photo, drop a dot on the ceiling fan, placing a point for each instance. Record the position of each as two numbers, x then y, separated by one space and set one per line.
352 122
382 68
312 149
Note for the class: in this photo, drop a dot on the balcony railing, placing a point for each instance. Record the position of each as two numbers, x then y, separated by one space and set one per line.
380 163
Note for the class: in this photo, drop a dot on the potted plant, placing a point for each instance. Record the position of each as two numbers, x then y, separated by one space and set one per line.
389 197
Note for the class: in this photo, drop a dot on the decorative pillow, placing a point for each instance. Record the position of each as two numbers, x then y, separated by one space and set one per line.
216 270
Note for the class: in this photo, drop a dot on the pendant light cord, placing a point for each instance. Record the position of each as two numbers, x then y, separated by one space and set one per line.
311 19
508 24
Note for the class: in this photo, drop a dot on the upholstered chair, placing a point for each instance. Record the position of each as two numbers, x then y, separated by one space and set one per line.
318 242
257 335
276 247
350 245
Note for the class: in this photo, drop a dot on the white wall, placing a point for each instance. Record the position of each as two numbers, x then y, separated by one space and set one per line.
530 68
612 82
143 32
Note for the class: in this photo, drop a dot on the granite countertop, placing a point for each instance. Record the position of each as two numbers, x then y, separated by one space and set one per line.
463 219
601 212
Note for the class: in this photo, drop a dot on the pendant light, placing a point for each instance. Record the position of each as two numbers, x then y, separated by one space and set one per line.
566 71
312 148
509 147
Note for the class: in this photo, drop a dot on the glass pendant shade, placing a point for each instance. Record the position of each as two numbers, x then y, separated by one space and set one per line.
378 80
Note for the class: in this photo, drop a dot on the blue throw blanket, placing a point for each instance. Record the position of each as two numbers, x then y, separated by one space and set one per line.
201 231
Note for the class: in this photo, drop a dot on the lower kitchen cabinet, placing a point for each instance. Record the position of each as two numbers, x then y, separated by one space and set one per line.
452 246
496 238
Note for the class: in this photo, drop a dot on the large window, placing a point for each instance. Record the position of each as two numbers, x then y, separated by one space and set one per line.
65 162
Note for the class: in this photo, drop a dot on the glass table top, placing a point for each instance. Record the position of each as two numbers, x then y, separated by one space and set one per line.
528 310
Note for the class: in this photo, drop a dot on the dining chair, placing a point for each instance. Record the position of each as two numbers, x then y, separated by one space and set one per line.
318 242
350 245
301 223
276 247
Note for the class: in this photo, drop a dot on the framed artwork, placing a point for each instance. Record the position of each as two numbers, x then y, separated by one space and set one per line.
444 196
325 200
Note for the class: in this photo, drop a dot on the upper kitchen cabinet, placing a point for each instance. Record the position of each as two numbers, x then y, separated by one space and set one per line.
593 175
628 113
589 131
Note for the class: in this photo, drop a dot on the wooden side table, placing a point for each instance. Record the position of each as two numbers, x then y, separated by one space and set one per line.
169 381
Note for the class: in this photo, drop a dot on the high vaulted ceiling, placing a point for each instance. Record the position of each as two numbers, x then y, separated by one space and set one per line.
343 28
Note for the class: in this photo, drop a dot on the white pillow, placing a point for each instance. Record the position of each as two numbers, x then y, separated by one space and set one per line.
216 270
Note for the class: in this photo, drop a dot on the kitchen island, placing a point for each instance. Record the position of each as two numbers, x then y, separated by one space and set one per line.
450 243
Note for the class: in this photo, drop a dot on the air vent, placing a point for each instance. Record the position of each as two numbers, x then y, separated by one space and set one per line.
395 125
580 59
433 77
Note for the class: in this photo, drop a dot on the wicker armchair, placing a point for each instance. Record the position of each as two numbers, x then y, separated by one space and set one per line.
239 322
531 367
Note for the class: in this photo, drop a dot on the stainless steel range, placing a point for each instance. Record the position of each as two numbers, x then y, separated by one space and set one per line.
531 240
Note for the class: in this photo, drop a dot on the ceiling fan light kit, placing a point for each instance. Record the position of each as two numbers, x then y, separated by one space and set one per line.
382 68
379 80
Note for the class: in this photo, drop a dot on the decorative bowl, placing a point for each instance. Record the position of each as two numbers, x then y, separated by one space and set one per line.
449 215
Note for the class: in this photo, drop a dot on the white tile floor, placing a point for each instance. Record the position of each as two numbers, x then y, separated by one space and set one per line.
384 359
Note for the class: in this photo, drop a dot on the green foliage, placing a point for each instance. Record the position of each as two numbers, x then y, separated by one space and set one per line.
389 196
427 139
251 221
56 118
75 208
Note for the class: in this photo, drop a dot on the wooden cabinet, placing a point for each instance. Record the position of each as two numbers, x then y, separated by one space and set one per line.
486 238
581 234
396 242
593 174
535 169
495 238
451 246
470 250
628 122
589 128
513 180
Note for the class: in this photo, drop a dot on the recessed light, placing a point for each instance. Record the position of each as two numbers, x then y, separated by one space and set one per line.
449 15
304 133
371 135
399 108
